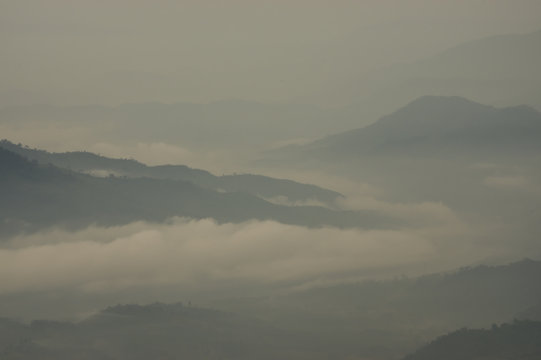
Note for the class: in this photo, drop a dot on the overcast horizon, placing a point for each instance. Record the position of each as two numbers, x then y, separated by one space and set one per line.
66 53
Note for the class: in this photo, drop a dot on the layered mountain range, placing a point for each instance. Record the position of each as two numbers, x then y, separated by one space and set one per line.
37 195
370 319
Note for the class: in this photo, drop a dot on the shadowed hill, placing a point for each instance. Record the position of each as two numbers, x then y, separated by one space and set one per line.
156 331
438 126
386 319
258 185
476 159
36 195
519 340
374 320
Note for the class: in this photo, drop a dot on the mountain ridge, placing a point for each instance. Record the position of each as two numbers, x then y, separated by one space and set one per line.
507 341
36 196
433 123
373 319
258 185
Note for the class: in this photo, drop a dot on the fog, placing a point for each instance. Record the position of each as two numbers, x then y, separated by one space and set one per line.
184 259
270 179
64 52
193 256
189 252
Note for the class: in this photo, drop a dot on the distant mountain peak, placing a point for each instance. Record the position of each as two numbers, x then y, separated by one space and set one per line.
437 105
432 100
454 111
439 125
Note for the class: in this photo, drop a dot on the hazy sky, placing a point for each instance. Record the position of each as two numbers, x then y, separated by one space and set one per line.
109 52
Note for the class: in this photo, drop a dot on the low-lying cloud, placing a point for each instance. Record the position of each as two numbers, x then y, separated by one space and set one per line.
196 253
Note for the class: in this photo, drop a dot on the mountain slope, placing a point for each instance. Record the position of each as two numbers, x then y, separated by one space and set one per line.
386 319
434 125
257 185
482 162
37 195
149 332
499 70
372 319
519 340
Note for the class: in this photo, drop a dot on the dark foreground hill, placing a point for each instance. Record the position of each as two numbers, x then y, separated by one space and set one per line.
369 320
258 185
156 331
35 196
387 319
519 340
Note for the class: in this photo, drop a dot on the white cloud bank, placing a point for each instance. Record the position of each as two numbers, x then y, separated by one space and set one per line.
198 253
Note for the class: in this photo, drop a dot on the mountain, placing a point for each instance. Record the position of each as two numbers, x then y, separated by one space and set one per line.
35 195
476 159
155 331
262 186
518 340
434 126
367 320
499 70
386 319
